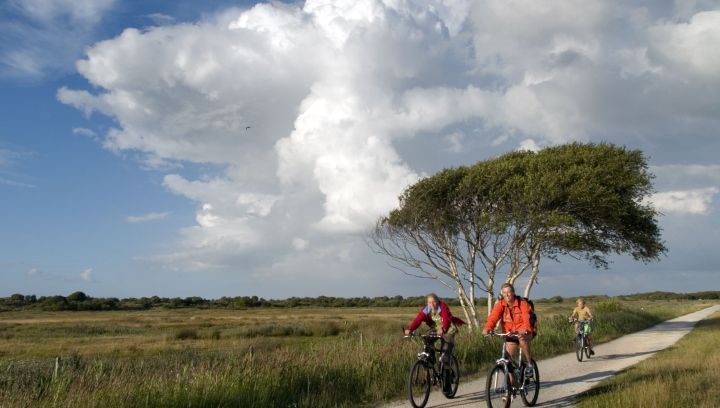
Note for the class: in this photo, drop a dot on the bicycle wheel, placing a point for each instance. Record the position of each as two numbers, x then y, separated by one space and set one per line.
587 349
579 345
453 376
531 387
419 384
497 390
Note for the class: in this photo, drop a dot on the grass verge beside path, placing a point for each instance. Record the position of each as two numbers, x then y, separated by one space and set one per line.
684 375
333 370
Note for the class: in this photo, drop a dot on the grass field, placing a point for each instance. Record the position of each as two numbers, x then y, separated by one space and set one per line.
257 357
684 375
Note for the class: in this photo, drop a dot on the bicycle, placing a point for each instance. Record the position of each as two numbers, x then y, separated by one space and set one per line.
428 371
581 339
506 379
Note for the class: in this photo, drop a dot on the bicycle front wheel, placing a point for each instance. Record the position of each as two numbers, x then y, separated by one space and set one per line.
419 384
452 375
579 345
531 386
497 390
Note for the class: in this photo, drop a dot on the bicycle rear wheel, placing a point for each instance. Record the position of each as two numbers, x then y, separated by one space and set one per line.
579 345
497 389
531 386
419 384
453 377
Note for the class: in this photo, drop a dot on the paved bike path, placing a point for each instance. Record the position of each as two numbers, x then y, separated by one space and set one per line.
563 377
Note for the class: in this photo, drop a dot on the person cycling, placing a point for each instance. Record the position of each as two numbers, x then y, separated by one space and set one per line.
582 312
437 315
514 313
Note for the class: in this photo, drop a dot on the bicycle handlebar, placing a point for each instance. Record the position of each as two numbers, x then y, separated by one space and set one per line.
508 334
431 335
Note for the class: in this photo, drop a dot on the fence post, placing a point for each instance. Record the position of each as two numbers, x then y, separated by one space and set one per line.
57 366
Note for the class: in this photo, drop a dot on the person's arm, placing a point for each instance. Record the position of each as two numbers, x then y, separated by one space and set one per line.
525 312
418 320
574 313
590 315
495 315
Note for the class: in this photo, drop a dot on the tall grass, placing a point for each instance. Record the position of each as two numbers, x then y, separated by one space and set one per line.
685 375
328 363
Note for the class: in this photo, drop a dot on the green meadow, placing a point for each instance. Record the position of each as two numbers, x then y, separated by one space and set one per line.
263 357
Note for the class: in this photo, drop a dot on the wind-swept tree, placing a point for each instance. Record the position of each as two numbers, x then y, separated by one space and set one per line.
463 226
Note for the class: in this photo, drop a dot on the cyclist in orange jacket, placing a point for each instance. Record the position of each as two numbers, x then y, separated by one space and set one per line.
514 313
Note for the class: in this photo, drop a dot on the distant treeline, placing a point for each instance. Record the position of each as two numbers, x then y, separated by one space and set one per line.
81 301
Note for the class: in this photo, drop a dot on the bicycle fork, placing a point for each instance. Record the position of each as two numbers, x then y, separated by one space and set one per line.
510 373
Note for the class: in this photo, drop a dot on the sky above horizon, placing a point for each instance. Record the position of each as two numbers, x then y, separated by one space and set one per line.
233 148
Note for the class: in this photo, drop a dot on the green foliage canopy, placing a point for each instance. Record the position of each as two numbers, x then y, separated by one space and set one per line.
583 200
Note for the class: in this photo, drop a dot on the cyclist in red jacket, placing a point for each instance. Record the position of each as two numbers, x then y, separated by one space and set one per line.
514 313
436 314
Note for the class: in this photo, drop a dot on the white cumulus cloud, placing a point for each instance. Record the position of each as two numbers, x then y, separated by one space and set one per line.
308 114
151 216
690 47
685 202
89 133
299 243
87 275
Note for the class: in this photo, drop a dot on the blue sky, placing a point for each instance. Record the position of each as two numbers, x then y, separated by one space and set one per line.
186 148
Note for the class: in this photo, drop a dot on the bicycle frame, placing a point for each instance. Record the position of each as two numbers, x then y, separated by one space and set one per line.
429 353
582 333
508 378
436 373
507 361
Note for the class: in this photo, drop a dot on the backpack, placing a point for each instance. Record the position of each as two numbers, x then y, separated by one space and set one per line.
533 316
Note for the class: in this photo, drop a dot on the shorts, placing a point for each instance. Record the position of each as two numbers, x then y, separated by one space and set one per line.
515 340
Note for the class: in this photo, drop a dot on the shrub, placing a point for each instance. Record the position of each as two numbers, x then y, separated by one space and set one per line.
186 334
609 306
215 335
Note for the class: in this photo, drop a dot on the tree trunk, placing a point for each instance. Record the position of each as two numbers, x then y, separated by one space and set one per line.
472 315
490 296
472 290
462 294
534 272
465 310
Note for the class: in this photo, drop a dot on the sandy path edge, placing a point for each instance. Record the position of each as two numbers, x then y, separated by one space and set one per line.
563 377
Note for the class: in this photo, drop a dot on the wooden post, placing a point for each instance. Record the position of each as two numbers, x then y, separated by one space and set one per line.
57 366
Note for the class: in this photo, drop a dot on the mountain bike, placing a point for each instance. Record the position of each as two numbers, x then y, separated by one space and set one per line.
429 370
581 339
507 379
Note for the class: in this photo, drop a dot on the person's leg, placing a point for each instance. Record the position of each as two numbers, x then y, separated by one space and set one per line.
511 348
446 359
448 347
525 346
